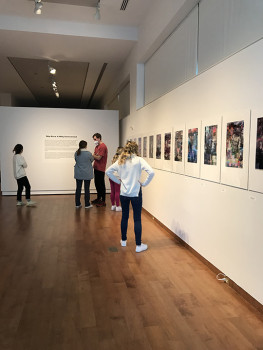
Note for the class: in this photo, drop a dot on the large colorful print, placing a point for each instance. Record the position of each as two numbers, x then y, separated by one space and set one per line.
178 146
210 151
234 144
167 146
192 145
158 146
259 145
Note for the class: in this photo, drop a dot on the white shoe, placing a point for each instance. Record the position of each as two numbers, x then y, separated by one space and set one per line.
78 206
19 204
118 209
123 243
141 248
89 206
113 207
31 203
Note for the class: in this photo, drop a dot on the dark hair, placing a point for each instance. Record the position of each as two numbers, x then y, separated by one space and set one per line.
97 135
18 148
82 144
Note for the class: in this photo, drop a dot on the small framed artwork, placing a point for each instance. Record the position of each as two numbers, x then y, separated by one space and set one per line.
167 151
178 149
256 152
235 149
151 148
145 147
192 149
158 151
140 146
211 149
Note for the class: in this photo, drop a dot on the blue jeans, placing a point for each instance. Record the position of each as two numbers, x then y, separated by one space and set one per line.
137 211
78 192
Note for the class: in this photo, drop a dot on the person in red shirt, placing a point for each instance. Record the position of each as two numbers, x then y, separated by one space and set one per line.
100 160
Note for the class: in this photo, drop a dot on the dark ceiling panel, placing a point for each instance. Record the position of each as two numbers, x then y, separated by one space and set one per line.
70 80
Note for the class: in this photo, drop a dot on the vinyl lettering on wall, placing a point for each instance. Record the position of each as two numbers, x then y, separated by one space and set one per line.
60 146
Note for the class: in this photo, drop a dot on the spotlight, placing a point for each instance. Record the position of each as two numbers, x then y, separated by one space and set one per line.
97 13
57 94
52 70
38 7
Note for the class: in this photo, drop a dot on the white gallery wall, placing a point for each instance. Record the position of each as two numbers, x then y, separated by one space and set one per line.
50 137
220 221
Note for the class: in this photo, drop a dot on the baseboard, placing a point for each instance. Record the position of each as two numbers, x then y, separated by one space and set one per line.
241 292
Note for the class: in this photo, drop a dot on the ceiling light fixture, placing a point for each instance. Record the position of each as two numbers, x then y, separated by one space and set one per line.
38 7
97 13
52 70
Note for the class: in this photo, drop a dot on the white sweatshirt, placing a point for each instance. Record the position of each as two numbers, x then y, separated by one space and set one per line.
129 175
19 165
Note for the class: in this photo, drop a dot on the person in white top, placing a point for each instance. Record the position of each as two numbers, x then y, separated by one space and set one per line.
129 169
19 165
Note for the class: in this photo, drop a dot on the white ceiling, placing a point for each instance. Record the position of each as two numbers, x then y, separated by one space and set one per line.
86 52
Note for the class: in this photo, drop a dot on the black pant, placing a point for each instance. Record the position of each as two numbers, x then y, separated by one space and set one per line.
78 192
137 212
23 182
99 179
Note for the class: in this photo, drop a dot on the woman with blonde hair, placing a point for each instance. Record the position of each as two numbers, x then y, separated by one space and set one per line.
129 169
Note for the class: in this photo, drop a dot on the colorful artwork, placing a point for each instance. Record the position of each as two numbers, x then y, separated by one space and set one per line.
234 144
178 146
192 145
145 146
158 146
210 151
259 145
151 146
167 146
139 146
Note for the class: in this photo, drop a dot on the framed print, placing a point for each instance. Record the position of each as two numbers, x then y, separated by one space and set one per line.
167 150
256 152
211 149
151 148
140 146
178 148
235 149
145 148
192 149
158 150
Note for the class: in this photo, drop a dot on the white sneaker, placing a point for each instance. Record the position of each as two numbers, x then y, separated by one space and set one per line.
89 206
113 207
31 203
19 204
118 209
123 243
78 206
141 248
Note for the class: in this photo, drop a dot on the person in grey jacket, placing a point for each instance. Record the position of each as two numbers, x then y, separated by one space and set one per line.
19 165
83 171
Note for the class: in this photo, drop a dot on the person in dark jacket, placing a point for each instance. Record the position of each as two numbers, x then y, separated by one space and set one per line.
83 171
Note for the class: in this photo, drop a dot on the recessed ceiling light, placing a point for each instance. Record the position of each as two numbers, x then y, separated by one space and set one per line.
38 7
52 70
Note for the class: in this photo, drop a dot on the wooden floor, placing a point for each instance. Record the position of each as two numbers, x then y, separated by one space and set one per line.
66 283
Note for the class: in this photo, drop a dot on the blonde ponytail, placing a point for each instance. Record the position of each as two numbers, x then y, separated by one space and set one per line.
130 149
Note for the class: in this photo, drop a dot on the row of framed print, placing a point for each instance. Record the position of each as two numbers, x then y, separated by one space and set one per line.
227 150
